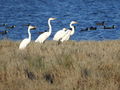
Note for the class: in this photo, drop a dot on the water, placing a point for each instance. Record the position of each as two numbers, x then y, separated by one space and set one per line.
37 12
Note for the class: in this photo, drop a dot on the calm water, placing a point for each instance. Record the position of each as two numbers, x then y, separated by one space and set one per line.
37 12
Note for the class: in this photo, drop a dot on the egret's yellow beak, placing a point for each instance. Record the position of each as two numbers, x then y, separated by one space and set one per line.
75 22
33 27
53 18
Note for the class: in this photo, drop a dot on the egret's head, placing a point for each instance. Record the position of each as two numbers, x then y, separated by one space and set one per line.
52 18
74 22
31 27
64 29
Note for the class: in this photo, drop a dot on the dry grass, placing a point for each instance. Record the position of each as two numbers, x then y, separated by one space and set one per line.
85 65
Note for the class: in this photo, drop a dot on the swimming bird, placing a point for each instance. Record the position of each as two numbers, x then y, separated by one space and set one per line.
3 32
85 29
26 41
10 27
42 37
92 28
112 27
100 23
69 32
89 28
3 25
26 24
59 34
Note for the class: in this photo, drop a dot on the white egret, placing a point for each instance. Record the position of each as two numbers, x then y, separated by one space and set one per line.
72 27
26 41
69 32
59 34
41 38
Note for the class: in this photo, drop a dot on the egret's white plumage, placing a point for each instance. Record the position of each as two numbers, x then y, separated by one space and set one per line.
59 34
41 38
26 41
72 27
69 32
66 36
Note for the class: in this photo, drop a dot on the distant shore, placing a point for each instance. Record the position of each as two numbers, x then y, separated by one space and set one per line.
84 65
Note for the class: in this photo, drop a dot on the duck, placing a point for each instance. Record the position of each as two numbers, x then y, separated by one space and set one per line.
89 28
26 24
86 29
112 27
3 32
100 23
10 27
4 24
92 28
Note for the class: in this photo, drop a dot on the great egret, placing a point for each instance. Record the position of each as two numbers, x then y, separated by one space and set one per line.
69 32
59 34
72 27
26 41
41 38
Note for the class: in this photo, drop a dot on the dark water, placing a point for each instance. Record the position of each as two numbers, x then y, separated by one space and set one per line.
37 12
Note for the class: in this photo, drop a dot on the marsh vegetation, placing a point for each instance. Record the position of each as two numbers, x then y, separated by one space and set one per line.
84 65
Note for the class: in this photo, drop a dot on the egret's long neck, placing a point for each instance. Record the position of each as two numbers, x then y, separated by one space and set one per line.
73 29
50 27
29 34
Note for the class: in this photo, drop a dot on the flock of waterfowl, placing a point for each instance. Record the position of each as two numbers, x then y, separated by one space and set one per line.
3 32
98 24
60 36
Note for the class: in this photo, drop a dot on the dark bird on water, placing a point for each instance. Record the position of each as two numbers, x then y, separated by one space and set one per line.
2 25
26 24
101 23
10 27
3 32
112 27
86 29
93 28
89 28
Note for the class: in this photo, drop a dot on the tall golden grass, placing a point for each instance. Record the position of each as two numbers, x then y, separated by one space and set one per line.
84 65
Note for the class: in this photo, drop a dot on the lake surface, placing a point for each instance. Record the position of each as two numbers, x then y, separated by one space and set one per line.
37 12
